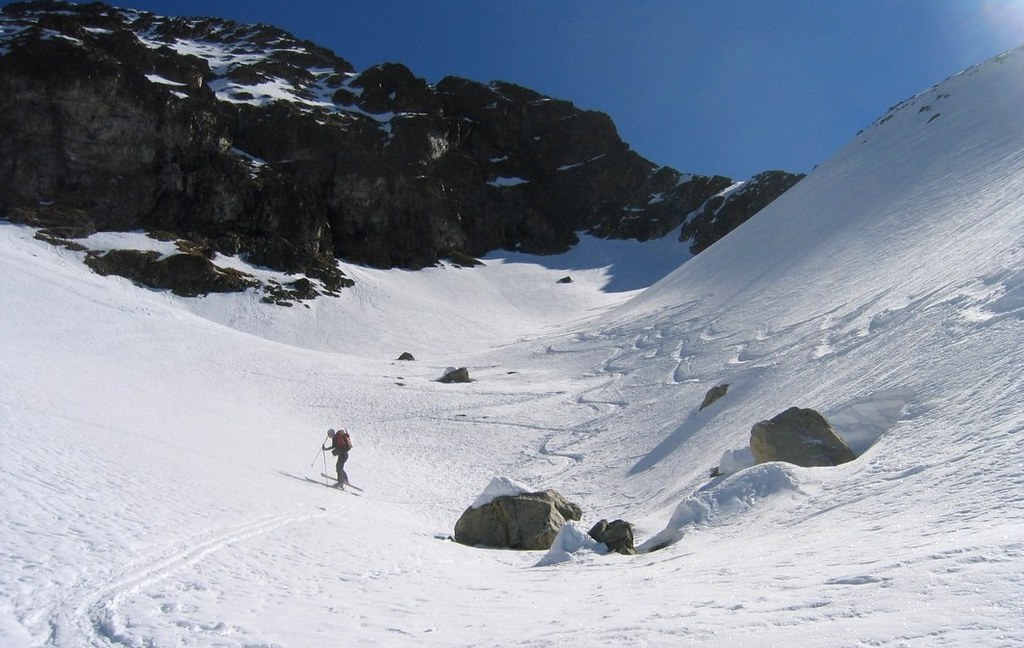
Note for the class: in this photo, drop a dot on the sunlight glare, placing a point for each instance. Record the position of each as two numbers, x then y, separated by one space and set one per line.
1005 20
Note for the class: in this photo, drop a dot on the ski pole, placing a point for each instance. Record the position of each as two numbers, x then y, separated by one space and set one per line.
321 452
316 455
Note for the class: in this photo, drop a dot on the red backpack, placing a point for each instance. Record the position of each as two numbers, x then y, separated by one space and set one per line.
343 441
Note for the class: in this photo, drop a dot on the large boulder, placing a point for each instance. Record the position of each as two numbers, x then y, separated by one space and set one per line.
528 521
798 436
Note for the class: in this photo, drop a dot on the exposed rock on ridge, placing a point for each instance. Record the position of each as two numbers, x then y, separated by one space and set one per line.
728 210
247 140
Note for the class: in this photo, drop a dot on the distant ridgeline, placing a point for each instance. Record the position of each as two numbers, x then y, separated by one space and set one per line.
241 139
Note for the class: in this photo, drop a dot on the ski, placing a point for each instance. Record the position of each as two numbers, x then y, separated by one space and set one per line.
335 484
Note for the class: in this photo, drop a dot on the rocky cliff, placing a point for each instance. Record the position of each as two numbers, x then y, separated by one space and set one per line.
245 140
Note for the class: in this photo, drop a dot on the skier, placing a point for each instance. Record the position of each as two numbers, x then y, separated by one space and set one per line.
341 443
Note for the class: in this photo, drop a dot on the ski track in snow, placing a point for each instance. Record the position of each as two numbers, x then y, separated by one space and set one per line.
95 617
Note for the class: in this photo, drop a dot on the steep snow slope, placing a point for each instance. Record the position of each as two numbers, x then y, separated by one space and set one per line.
886 291
897 270
159 456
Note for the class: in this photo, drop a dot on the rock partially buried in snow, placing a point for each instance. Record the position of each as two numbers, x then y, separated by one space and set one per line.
453 375
798 436
528 521
186 275
616 535
713 394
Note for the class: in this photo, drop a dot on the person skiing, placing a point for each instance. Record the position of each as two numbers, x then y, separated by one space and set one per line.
341 443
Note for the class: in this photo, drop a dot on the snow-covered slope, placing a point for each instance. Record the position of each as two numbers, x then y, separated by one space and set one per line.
160 457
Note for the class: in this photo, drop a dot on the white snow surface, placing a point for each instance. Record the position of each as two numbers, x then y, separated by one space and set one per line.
501 486
572 544
160 460
507 181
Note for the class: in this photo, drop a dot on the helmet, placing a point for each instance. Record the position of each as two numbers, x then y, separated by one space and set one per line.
330 432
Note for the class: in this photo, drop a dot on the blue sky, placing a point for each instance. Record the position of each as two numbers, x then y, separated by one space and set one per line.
714 86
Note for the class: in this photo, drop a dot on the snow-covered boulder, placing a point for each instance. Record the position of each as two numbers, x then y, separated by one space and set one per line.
570 545
733 461
518 520
798 436
722 502
499 487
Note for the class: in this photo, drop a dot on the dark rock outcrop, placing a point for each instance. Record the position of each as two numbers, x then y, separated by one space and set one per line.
713 395
528 521
725 212
616 535
460 375
798 436
406 357
187 275
107 122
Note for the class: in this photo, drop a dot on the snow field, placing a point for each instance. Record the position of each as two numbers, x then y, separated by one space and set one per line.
159 471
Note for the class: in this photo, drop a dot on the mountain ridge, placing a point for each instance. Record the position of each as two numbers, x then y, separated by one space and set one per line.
244 139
